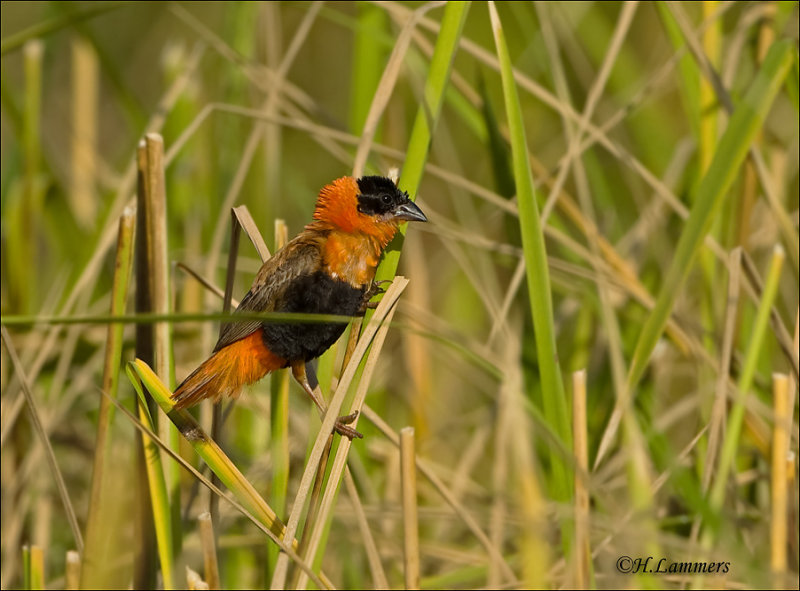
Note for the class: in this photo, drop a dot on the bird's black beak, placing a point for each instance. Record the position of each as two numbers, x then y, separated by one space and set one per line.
410 212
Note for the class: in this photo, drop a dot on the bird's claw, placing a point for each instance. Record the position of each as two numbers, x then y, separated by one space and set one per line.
342 426
373 290
376 289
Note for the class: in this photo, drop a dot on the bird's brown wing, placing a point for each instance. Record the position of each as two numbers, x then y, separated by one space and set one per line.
299 257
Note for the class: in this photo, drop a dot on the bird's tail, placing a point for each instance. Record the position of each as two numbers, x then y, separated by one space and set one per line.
227 370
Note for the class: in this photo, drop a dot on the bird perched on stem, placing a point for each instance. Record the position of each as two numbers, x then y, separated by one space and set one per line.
329 268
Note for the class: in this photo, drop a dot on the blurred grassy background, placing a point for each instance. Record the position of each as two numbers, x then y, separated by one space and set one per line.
264 103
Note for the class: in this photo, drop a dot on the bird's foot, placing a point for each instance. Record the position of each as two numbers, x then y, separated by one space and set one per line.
373 290
342 426
376 289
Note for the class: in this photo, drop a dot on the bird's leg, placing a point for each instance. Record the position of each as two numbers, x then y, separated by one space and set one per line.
341 426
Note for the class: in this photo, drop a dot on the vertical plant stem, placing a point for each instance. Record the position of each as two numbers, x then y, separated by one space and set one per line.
379 580
718 410
37 567
97 528
31 149
36 419
216 414
709 107
159 500
583 555
144 569
33 561
535 254
85 93
72 575
408 479
736 416
209 544
279 424
162 304
154 342
384 307
319 529
313 514
384 88
779 474
26 567
157 242
455 13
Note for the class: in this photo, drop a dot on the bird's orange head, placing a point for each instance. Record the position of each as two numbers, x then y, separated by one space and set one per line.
371 205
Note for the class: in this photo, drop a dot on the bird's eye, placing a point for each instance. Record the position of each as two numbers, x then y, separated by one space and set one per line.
386 198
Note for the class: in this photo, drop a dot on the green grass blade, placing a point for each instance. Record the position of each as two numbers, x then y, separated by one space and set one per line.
369 56
793 81
94 563
159 499
687 67
754 350
455 13
554 397
33 564
207 449
16 40
731 150
321 580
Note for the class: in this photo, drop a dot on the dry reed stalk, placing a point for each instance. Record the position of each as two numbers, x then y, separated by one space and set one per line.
408 479
445 492
247 223
581 447
32 209
370 548
339 463
36 419
384 308
205 282
717 419
386 87
274 89
72 575
583 555
208 543
779 474
85 94
152 268
312 516
153 342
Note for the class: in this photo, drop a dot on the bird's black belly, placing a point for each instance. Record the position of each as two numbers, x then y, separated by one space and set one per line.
316 293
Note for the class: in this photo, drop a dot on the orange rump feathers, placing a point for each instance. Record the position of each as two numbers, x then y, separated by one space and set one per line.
225 373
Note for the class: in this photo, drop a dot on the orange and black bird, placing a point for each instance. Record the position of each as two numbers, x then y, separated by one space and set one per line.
329 268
